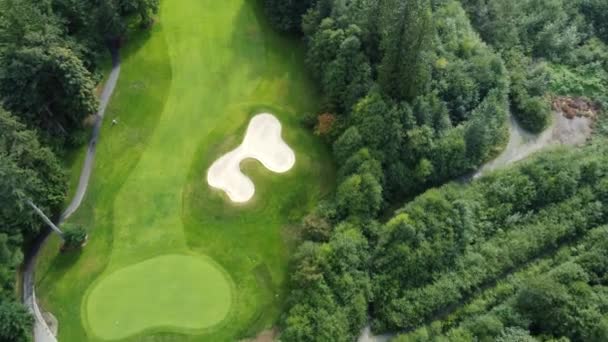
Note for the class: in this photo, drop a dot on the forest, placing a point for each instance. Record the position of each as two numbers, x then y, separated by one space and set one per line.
415 97
416 94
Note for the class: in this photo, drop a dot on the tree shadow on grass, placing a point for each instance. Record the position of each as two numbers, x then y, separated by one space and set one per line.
276 57
136 38
63 261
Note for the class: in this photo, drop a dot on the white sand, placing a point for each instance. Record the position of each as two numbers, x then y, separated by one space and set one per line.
262 142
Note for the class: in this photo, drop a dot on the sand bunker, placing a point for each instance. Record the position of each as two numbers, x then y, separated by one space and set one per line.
262 142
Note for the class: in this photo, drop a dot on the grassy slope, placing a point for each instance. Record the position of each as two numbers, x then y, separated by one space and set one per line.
184 97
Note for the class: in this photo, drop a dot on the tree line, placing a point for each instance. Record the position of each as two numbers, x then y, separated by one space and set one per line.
50 53
558 298
400 119
450 242
534 37
412 96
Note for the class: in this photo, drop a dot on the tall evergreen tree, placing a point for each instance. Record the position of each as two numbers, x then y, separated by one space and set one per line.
28 171
407 35
43 79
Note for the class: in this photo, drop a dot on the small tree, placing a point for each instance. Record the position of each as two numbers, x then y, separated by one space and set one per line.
15 322
74 236
325 123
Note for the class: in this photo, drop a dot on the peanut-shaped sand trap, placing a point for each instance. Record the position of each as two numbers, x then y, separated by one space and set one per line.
262 142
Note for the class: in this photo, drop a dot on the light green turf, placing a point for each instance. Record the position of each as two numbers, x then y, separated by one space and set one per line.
185 95
195 297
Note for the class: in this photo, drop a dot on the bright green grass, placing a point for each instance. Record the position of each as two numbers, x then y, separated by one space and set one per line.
185 95
158 296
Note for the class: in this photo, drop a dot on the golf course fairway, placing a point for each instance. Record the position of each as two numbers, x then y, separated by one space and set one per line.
170 258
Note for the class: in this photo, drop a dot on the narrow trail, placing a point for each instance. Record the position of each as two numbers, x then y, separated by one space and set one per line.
522 144
42 332
87 167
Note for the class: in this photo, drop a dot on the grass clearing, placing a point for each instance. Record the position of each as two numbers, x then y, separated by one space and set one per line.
186 92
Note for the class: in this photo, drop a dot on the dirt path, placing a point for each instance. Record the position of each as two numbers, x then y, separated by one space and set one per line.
562 131
42 332
367 336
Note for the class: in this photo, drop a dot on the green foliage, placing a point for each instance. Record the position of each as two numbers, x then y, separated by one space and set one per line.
336 57
419 99
74 236
529 85
360 196
587 80
286 15
530 32
144 9
434 107
448 243
347 144
57 103
16 323
483 132
42 79
49 51
330 288
596 12
404 72
27 171
360 163
515 335
10 259
555 298
316 228
543 28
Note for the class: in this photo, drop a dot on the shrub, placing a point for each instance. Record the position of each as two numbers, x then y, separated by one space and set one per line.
74 237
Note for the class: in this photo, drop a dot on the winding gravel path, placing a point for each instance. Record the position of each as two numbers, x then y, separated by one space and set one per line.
42 333
522 144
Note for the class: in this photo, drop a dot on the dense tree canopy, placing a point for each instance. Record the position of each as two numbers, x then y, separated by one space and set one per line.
417 98
28 171
48 52
531 33
42 78
15 322
596 12
415 109
449 242
287 14
404 72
